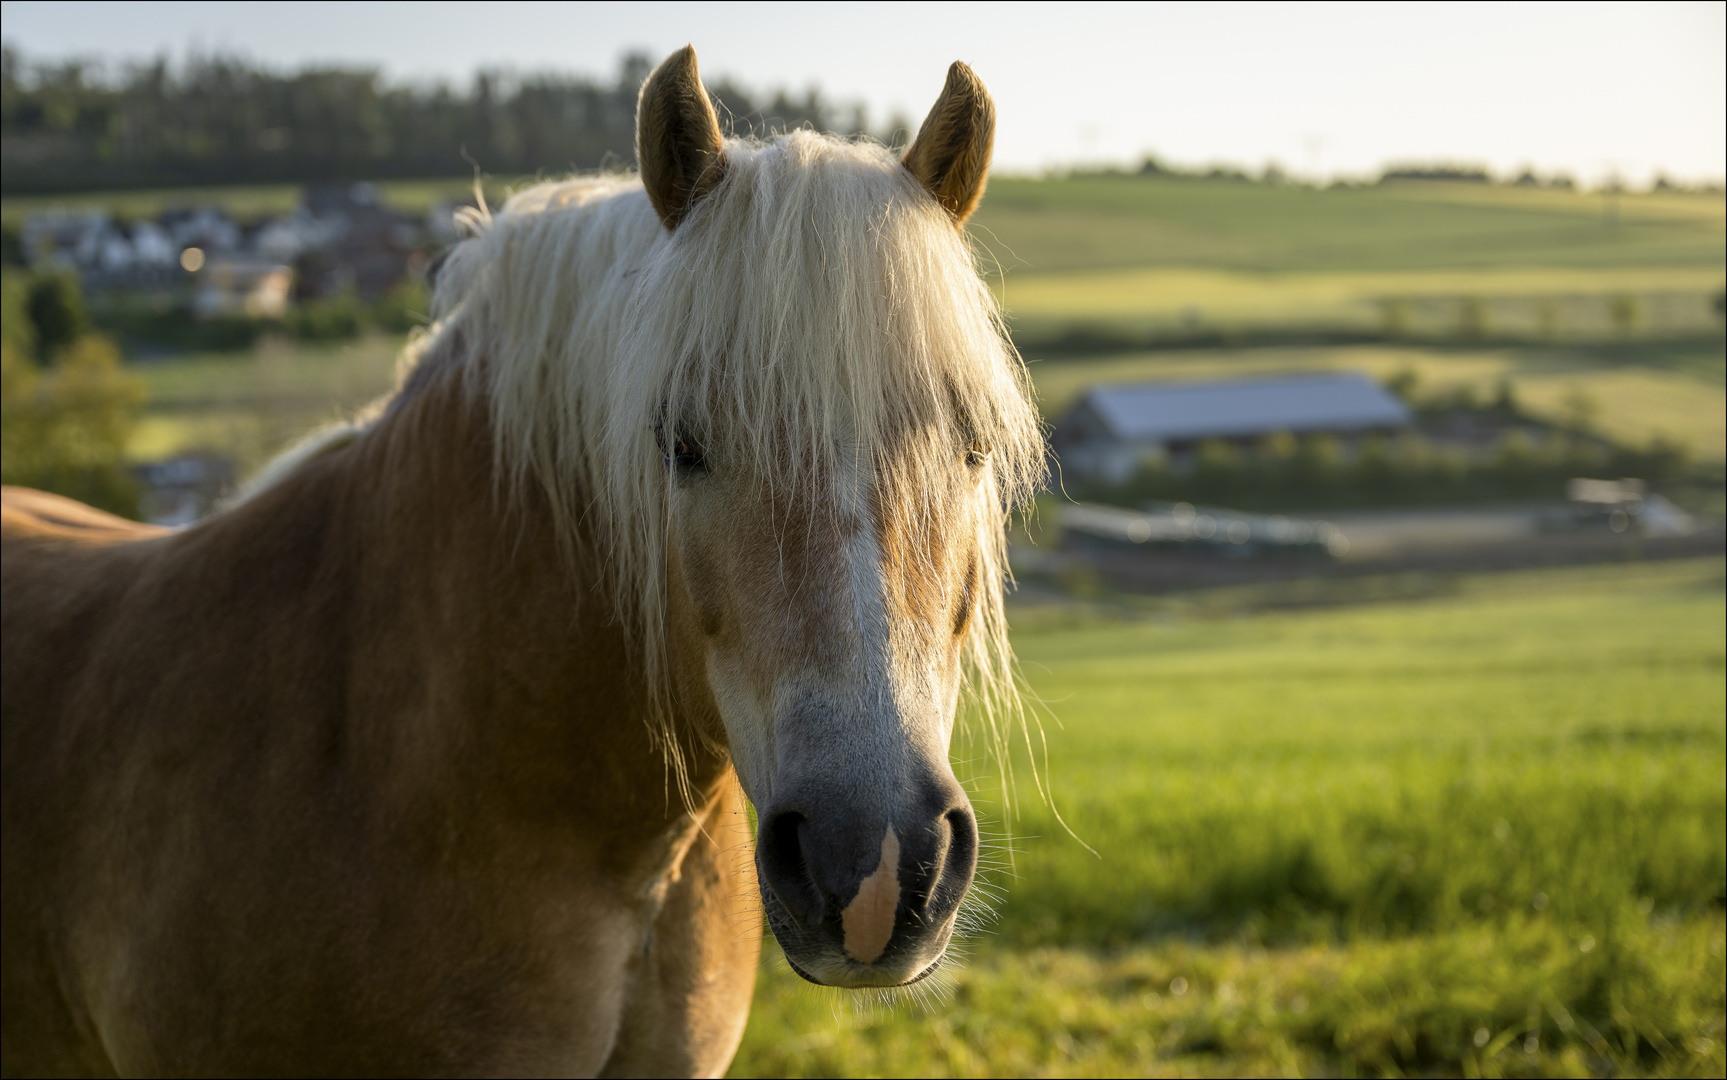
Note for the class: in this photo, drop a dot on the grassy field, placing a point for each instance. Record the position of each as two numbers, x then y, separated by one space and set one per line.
1527 302
253 404
1431 259
1091 223
1477 834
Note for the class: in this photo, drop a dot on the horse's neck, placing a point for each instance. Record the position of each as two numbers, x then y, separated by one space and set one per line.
490 680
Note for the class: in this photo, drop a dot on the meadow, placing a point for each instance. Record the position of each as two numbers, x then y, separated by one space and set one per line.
1136 255
1477 833
1084 223
251 405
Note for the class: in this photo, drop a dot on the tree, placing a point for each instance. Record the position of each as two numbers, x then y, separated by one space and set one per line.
64 424
56 310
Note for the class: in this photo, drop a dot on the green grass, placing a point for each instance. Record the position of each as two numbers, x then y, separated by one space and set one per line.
253 404
1390 838
1533 303
1089 223
1136 256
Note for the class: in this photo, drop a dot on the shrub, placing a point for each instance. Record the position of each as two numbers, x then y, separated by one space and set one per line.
332 319
404 307
178 328
56 310
1474 320
1627 313
65 426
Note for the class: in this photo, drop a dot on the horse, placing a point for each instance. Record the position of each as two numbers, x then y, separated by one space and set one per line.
429 753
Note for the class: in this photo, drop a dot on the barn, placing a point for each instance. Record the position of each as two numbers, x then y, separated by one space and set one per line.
1113 428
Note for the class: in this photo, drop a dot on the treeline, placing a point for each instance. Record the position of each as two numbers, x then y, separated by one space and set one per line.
1443 172
79 125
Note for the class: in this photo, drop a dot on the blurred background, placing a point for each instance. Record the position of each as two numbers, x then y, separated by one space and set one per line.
1375 609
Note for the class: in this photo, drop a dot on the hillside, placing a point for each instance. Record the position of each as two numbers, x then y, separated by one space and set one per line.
1134 259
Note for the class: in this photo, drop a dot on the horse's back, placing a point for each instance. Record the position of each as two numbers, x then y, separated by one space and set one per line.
27 513
62 566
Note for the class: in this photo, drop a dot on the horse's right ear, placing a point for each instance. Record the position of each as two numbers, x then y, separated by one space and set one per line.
677 137
951 152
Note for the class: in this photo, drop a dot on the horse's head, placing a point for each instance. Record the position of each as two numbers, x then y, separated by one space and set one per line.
840 428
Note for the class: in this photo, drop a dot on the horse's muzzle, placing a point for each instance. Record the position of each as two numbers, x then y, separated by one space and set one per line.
862 899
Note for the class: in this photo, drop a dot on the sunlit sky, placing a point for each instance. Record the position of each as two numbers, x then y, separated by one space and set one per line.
1322 89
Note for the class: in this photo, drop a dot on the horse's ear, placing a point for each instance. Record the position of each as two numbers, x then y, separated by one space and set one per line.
951 152
677 137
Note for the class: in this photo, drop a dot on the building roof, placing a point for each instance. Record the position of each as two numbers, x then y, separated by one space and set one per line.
1146 412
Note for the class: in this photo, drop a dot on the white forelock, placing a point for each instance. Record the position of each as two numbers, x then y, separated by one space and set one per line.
817 306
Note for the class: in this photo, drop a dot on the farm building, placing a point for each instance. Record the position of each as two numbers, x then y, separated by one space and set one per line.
1114 428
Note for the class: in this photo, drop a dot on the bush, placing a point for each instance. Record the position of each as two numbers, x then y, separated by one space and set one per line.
63 428
66 406
1627 313
178 328
55 308
333 319
404 307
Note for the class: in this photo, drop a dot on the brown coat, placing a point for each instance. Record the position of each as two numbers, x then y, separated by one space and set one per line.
349 779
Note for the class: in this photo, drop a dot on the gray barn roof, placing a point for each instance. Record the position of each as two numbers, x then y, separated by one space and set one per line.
1148 412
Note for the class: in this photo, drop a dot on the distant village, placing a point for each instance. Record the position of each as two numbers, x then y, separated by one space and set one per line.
340 240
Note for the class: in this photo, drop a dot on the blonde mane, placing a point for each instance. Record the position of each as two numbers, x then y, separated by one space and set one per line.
819 305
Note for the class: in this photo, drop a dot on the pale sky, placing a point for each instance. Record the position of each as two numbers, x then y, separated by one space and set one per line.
1329 89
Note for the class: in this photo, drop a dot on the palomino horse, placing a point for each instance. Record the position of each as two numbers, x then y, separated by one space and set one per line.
420 759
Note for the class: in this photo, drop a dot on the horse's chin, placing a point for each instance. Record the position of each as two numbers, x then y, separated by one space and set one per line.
826 964
867 983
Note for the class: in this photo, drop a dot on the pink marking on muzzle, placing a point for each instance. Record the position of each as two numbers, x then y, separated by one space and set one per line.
868 919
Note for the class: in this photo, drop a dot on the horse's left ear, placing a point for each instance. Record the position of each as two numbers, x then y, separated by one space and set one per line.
677 137
951 152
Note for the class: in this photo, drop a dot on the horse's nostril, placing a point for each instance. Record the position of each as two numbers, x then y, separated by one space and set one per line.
783 840
781 852
940 876
958 863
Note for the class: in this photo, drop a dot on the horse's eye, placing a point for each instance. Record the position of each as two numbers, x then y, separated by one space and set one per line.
975 456
685 454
